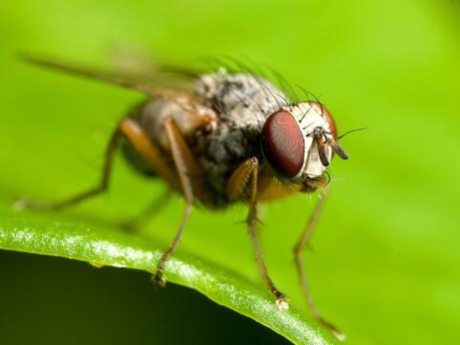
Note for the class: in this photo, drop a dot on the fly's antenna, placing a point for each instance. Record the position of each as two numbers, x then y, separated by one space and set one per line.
352 131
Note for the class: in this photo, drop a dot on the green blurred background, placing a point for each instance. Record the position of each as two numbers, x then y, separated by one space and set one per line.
385 264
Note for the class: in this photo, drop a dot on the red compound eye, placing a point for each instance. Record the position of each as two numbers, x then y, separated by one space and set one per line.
283 143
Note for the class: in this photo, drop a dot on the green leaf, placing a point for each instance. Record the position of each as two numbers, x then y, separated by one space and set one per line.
109 246
384 264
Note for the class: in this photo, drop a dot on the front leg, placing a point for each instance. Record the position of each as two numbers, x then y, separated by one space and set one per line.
243 185
302 243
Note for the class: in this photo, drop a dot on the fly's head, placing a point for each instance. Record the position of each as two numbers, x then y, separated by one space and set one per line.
298 142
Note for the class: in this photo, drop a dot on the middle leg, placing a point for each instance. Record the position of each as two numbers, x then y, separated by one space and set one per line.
302 243
244 180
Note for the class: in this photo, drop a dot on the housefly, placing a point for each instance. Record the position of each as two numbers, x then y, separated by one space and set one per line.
219 138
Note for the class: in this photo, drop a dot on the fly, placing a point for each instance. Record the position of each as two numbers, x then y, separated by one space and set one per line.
227 137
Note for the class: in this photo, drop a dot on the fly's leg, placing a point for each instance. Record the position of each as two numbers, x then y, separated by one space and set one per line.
185 174
149 151
191 181
243 184
142 144
100 188
302 243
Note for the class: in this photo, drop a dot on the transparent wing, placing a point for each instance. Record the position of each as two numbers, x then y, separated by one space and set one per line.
137 74
150 68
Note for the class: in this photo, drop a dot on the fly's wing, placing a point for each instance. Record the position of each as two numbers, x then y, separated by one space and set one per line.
152 70
148 79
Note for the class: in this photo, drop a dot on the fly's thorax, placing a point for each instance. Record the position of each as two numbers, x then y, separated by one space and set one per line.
240 98
242 102
221 150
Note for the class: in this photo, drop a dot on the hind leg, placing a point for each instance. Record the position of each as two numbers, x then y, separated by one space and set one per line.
132 131
82 196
